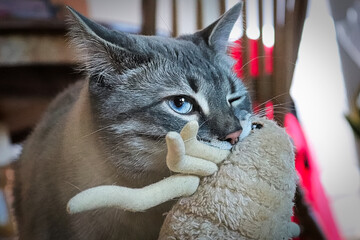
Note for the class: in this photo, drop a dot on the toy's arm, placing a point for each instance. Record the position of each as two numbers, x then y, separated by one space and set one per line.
131 199
185 155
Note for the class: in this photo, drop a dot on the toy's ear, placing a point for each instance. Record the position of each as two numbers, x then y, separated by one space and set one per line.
217 34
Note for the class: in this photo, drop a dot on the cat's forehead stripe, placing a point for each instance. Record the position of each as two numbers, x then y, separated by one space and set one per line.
193 84
203 103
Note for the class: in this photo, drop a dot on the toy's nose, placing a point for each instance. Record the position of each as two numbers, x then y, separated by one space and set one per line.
233 138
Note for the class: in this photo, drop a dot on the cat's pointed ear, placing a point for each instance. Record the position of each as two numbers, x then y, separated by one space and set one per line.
217 34
105 53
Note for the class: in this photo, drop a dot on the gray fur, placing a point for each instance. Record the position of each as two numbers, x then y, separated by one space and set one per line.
110 128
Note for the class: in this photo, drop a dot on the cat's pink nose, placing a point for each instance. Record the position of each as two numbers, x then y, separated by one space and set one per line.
233 138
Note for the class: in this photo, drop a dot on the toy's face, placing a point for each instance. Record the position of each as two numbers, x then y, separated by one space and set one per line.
256 125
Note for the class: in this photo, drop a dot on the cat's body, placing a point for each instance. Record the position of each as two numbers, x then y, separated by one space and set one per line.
57 178
111 127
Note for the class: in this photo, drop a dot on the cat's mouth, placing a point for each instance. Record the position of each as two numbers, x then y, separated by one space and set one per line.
214 142
217 143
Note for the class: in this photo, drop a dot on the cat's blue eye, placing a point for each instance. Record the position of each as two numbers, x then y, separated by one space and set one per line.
180 105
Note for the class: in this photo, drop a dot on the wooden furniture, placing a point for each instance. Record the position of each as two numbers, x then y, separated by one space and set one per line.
35 64
273 83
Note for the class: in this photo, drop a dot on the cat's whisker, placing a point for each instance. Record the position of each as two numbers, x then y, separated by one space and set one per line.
73 185
167 26
277 108
96 131
202 124
272 99
250 61
263 114
266 56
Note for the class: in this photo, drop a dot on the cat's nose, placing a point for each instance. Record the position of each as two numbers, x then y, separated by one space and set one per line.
233 138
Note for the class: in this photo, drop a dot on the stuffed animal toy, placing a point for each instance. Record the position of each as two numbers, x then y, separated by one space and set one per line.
249 196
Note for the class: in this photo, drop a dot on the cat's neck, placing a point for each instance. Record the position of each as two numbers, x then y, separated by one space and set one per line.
82 143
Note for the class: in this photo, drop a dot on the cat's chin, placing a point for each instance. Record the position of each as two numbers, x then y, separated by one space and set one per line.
218 144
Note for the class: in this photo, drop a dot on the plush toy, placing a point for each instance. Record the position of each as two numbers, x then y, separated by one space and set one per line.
249 196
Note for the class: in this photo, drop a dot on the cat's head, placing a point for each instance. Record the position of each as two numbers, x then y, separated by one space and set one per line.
142 87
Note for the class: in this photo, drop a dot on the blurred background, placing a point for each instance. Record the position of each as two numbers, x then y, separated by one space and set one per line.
300 60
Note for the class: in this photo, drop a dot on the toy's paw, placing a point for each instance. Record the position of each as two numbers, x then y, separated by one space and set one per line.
293 229
188 155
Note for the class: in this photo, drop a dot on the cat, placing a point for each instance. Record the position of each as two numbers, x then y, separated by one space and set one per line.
110 127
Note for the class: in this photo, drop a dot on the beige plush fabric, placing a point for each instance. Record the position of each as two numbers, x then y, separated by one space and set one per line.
250 197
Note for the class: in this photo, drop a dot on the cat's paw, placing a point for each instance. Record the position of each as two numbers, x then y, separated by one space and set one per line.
189 156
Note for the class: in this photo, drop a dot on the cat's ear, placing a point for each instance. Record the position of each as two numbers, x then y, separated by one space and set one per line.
105 53
217 34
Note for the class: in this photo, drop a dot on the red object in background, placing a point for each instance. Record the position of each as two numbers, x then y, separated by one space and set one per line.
253 44
305 164
254 57
236 53
269 60
309 175
310 179
256 107
269 110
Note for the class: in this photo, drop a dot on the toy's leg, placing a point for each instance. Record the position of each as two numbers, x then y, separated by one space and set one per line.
134 200
187 155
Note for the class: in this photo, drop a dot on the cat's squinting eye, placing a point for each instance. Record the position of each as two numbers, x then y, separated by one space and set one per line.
180 104
235 99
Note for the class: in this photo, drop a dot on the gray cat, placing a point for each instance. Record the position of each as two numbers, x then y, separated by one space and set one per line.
111 127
